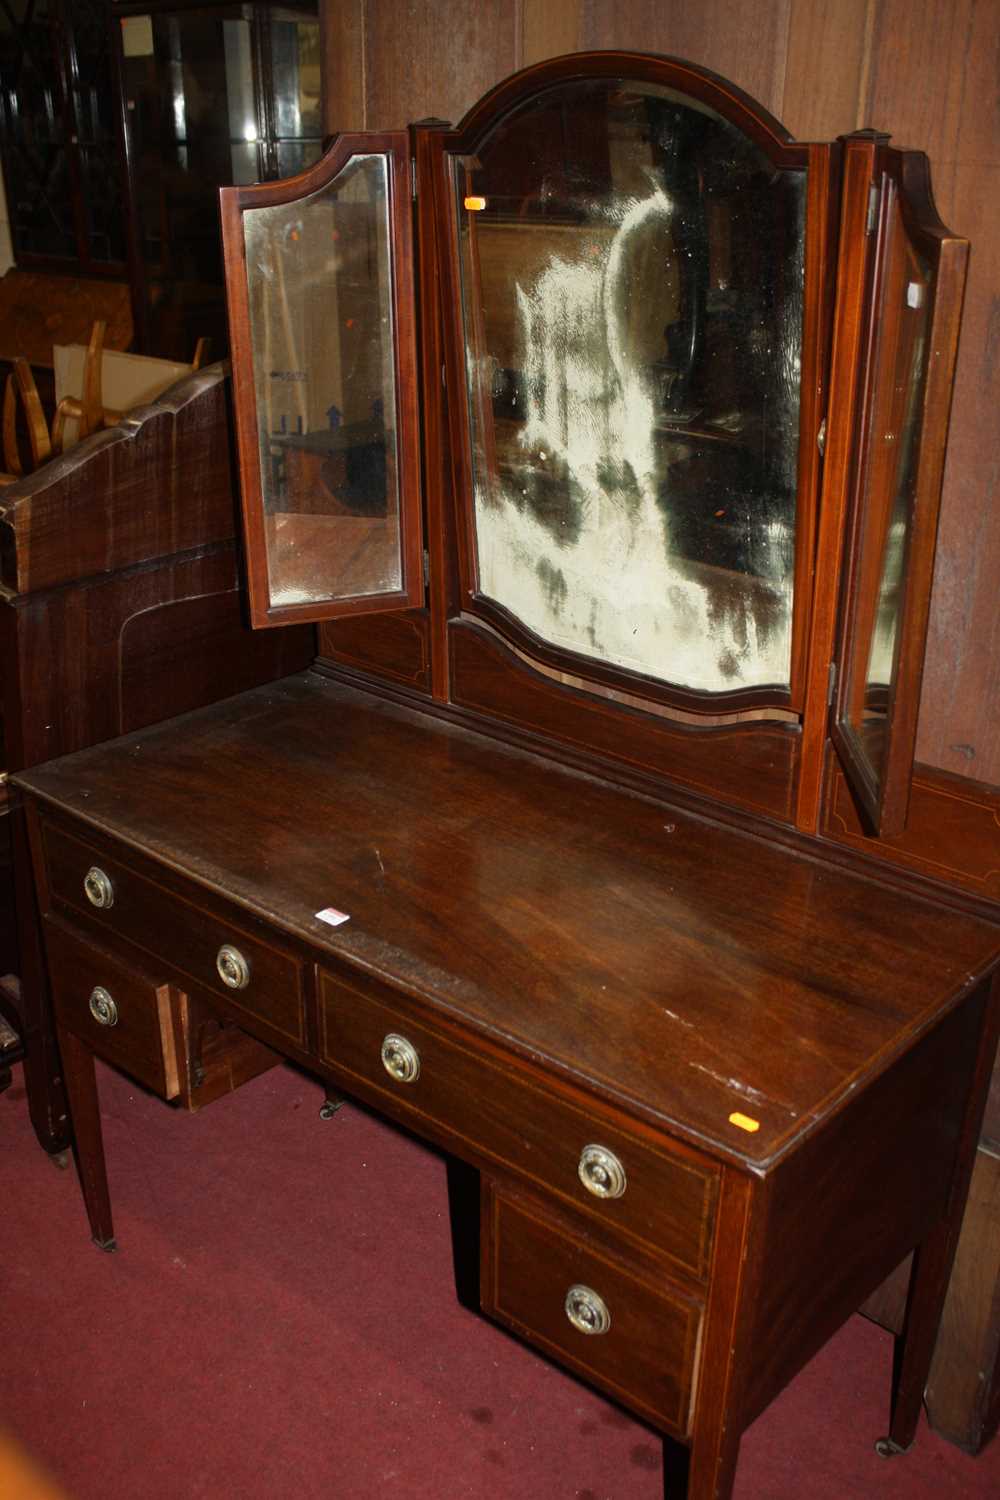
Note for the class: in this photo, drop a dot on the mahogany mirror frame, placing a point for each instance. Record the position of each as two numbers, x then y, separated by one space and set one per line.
234 201
902 177
819 162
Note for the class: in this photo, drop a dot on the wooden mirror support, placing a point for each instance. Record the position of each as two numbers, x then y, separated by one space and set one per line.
697 379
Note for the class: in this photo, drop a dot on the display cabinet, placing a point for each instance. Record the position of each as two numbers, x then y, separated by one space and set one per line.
602 434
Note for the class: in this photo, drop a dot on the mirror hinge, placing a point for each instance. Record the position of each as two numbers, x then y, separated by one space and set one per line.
427 568
413 178
873 197
821 438
831 687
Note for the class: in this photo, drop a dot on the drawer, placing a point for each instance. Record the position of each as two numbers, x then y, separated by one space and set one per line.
589 1311
666 1197
123 1015
217 1056
179 932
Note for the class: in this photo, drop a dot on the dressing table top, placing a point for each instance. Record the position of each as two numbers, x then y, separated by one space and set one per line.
681 968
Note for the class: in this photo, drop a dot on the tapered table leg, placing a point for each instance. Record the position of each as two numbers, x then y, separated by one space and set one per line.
84 1106
915 1348
934 1257
42 1072
715 1436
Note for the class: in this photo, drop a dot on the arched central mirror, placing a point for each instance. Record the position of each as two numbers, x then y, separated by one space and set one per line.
632 271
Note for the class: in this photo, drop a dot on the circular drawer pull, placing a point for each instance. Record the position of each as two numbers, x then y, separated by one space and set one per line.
98 888
601 1172
587 1310
102 1007
400 1059
234 971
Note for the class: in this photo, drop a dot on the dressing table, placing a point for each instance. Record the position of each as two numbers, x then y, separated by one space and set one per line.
614 495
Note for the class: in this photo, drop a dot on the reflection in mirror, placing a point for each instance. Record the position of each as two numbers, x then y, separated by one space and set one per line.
888 491
320 289
632 271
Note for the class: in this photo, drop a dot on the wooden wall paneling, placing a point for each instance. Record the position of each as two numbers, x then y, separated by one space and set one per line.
344 81
746 43
548 29
435 57
827 67
932 76
932 82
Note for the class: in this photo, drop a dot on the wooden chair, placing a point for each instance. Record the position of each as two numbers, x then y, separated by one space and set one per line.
88 411
20 383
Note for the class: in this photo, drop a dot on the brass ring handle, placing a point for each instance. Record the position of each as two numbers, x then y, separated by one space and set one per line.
587 1310
400 1058
234 971
602 1172
98 889
102 1007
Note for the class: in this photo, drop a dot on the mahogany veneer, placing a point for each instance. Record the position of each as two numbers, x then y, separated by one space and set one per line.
793 1085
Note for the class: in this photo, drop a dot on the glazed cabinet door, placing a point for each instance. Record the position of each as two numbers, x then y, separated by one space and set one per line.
915 301
319 272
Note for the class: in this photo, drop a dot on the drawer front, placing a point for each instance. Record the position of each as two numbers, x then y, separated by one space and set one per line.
179 932
666 1200
122 1014
638 1343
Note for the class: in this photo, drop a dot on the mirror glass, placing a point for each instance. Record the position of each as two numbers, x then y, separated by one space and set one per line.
632 270
320 290
889 485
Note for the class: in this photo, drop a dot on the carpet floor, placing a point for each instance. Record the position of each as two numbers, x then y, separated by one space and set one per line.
281 1321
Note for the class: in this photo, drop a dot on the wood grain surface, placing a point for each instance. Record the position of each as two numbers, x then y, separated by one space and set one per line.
623 943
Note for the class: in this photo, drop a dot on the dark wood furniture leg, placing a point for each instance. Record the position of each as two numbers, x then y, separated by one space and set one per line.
915 1346
85 1110
716 1433
11 1050
43 1083
933 1259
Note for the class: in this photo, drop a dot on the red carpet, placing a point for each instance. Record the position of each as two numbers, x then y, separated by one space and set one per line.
280 1321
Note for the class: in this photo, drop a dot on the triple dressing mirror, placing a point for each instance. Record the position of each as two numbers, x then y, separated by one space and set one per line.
627 271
